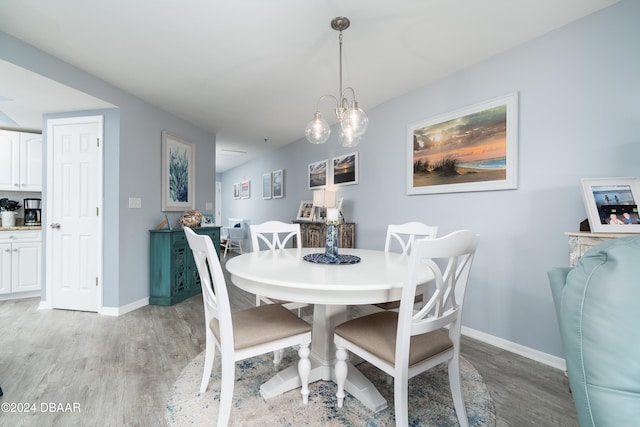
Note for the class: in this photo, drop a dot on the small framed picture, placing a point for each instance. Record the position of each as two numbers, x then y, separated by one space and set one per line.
266 186
207 220
612 204
305 211
344 169
236 190
317 174
245 189
278 184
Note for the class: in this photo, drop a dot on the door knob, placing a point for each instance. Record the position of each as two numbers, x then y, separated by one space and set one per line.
55 225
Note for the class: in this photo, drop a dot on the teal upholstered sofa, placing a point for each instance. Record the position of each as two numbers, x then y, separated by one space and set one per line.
598 308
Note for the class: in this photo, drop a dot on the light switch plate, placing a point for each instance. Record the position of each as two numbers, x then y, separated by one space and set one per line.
135 203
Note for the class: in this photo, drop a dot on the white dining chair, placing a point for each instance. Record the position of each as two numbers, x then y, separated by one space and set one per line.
233 236
402 236
405 234
404 344
276 235
241 334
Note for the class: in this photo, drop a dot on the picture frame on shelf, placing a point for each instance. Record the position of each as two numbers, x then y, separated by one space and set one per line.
612 204
266 186
344 169
178 174
207 220
339 207
318 174
319 214
471 149
278 184
245 189
305 211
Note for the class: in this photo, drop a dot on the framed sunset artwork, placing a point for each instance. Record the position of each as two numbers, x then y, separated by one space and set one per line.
472 149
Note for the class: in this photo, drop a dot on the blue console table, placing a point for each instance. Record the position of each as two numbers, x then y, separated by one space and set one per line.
173 274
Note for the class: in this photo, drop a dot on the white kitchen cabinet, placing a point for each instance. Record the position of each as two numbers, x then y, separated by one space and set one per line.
20 262
5 268
20 161
9 159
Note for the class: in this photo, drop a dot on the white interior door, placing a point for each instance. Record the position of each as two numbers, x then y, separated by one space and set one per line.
74 213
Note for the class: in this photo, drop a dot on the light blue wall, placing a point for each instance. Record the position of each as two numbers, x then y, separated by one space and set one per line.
132 169
579 115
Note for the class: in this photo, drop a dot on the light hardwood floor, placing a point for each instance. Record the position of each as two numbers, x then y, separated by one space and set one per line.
116 371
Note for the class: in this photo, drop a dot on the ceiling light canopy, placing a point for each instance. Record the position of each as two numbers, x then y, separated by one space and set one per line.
353 120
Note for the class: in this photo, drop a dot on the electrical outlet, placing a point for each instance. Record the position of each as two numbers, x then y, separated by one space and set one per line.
209 206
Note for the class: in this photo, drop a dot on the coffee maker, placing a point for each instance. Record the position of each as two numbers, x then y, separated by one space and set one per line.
32 211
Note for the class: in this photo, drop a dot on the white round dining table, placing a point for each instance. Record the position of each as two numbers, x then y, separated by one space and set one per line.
284 274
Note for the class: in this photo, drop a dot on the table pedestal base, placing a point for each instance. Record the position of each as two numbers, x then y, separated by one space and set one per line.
357 384
325 318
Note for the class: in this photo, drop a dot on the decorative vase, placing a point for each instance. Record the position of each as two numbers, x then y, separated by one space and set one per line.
331 244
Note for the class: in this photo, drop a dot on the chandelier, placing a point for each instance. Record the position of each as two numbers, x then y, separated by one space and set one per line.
353 120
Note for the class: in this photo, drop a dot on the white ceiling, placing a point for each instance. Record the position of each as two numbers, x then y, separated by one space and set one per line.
250 70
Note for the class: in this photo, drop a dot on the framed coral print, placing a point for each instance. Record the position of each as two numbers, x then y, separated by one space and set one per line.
612 204
344 169
305 211
178 173
278 184
472 149
317 174
266 186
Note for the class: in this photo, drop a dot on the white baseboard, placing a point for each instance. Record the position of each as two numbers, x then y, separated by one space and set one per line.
20 295
119 311
538 356
107 311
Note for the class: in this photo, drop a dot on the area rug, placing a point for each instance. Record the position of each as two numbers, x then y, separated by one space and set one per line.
430 401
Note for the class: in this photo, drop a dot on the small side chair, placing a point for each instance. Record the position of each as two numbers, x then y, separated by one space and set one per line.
232 236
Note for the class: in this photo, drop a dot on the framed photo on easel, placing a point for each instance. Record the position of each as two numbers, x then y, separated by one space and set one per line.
305 211
612 204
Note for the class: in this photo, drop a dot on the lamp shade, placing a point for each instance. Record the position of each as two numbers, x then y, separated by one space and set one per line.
324 198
